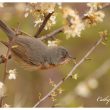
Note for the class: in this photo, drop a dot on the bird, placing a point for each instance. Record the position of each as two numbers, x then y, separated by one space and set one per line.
33 52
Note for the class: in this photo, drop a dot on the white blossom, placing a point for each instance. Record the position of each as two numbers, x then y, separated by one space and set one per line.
76 25
37 22
92 83
53 19
94 6
1 85
39 11
92 17
74 30
26 14
53 43
82 90
2 89
50 10
46 28
12 74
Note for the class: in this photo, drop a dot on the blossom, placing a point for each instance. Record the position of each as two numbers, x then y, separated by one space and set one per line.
94 6
56 92
68 12
75 24
92 83
1 85
53 43
2 89
50 22
37 22
12 74
60 90
53 19
50 10
75 76
47 7
26 14
39 11
82 90
74 30
94 17
52 83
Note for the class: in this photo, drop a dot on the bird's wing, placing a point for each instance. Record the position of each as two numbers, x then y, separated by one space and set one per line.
23 53
20 51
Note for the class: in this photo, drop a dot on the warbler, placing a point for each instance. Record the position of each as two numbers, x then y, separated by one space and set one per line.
32 52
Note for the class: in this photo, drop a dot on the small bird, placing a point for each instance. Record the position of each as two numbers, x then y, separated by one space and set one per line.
32 52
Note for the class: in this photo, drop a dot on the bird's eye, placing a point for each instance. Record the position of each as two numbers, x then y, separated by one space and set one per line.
64 56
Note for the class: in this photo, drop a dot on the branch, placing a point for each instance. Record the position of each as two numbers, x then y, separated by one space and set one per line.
51 35
59 30
43 25
98 73
71 72
5 61
20 32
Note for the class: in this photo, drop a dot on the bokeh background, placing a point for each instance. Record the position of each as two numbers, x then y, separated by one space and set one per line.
25 90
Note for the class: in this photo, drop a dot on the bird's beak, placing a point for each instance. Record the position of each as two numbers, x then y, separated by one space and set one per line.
74 58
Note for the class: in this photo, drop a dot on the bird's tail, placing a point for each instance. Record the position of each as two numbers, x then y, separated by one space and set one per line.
10 33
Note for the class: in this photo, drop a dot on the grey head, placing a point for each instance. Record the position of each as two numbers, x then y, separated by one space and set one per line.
58 55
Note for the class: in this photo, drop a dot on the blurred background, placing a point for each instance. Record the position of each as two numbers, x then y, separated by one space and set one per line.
93 75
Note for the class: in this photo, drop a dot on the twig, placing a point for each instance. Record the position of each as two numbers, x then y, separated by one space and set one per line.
43 24
59 30
71 72
20 32
24 33
51 35
5 60
98 73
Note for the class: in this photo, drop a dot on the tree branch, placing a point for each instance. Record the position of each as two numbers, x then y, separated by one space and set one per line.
5 61
71 72
52 34
98 73
43 25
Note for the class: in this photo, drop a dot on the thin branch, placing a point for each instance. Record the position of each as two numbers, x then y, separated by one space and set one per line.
98 73
20 32
5 61
71 72
51 35
59 30
24 33
43 25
